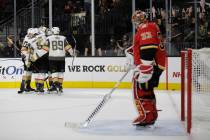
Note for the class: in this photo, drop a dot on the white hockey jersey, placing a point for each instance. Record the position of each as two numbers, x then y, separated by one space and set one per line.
57 46
24 48
25 41
37 46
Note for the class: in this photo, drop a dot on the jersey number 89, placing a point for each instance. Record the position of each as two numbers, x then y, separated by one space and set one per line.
57 45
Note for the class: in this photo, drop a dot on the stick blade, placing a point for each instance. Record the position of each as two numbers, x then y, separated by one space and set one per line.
74 125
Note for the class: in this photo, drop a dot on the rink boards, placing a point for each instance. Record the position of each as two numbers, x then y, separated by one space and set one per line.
90 72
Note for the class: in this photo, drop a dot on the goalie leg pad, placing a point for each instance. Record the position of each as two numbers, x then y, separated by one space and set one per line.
140 92
146 106
151 111
141 111
147 112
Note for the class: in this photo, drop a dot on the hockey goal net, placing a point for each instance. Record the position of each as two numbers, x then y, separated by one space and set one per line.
195 89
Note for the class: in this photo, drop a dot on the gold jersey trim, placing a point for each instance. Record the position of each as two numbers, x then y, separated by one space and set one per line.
148 47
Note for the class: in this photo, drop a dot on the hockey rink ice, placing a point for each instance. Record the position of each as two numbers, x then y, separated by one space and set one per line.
42 117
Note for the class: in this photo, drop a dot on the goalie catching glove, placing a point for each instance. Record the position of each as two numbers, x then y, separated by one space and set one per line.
147 81
143 73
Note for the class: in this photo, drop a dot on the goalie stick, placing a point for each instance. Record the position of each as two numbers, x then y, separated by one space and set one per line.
98 108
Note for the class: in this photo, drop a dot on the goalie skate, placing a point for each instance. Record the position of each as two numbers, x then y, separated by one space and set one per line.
145 127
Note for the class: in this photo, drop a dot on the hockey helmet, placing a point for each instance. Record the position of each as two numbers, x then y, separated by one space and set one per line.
49 32
35 31
55 30
43 29
29 31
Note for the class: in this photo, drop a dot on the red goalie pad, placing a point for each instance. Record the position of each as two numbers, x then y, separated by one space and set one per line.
147 112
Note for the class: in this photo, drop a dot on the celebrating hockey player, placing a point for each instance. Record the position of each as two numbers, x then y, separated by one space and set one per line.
39 58
26 79
57 47
149 62
44 31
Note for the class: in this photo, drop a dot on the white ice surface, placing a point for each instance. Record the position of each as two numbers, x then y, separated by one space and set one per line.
42 117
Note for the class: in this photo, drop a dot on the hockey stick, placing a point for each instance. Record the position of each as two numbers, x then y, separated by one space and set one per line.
75 47
98 108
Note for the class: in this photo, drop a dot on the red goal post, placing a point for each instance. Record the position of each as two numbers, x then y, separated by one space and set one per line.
195 88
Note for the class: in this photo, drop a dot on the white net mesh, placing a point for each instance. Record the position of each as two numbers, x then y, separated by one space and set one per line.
201 88
201 70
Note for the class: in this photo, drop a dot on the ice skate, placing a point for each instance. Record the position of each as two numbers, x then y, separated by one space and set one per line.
20 91
29 90
142 124
52 89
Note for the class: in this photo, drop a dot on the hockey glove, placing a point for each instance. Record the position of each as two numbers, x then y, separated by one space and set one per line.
71 52
143 73
154 81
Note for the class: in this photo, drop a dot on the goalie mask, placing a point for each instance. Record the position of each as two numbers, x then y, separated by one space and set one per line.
138 17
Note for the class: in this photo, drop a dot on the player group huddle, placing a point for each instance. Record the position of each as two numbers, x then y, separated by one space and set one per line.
43 54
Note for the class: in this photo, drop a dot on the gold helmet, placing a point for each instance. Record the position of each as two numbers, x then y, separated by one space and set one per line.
138 17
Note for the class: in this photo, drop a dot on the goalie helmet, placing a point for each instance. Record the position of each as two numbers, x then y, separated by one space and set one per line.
138 17
55 30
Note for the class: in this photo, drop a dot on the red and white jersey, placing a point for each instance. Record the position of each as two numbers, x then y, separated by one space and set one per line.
147 45
148 34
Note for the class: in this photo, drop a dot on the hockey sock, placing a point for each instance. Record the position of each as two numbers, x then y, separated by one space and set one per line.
57 84
41 87
37 86
50 83
60 87
22 85
52 87
28 83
